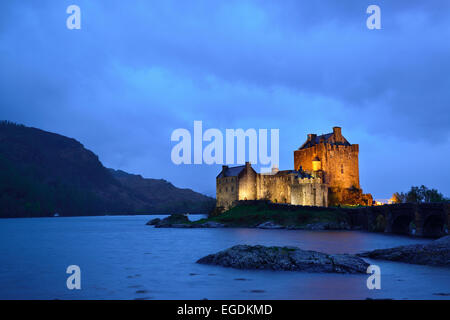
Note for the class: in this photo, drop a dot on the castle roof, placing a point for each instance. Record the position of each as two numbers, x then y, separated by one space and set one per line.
231 172
300 174
328 138
236 171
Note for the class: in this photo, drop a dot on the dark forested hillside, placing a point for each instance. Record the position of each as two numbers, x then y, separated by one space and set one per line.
162 194
43 173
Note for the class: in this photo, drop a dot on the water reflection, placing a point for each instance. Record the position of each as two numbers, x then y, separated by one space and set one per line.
122 258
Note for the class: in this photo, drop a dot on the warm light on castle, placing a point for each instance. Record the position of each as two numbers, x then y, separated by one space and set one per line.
326 172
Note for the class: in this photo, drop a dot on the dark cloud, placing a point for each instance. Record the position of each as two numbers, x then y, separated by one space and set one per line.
138 70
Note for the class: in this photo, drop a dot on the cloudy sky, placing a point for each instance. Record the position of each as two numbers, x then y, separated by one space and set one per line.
137 70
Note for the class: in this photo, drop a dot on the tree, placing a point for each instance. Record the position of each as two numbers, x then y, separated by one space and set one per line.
398 197
415 195
419 195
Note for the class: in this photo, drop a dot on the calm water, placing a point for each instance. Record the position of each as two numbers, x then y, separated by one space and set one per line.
122 258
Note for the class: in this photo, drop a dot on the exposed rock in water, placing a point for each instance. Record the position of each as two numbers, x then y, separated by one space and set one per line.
153 222
436 253
209 224
322 226
174 220
285 258
269 225
328 226
182 221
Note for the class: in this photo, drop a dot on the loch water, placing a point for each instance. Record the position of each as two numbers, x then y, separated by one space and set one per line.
122 258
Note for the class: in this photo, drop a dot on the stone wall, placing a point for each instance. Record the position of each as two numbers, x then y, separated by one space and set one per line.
309 194
274 188
292 190
278 188
227 192
339 163
247 183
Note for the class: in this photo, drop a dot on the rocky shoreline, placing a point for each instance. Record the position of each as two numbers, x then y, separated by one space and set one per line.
436 253
285 258
267 215
182 221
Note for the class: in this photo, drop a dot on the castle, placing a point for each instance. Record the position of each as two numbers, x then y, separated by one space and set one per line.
326 172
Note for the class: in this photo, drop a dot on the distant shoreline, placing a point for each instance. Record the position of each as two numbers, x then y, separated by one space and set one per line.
104 215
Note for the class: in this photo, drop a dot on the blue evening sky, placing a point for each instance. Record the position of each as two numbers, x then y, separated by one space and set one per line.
137 70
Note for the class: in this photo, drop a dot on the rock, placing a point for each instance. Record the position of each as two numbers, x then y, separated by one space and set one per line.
317 226
210 224
444 240
328 226
181 221
322 226
153 222
269 225
174 221
436 253
285 258
176 225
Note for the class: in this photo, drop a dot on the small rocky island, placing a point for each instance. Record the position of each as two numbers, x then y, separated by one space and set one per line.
285 258
264 216
436 253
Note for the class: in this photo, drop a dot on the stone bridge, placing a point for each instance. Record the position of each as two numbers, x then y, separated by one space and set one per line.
422 220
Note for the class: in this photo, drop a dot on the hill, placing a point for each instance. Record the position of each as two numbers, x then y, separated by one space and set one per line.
161 194
42 173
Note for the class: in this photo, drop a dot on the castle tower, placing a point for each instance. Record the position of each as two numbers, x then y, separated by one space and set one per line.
336 159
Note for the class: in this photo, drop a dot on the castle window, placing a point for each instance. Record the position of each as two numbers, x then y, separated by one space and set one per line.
232 189
342 169
226 189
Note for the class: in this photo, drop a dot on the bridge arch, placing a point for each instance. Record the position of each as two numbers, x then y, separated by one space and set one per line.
433 226
401 224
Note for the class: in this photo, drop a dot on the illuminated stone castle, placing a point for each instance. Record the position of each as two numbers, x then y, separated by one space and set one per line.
325 173
335 160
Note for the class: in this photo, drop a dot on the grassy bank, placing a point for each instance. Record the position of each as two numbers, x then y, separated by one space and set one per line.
255 214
